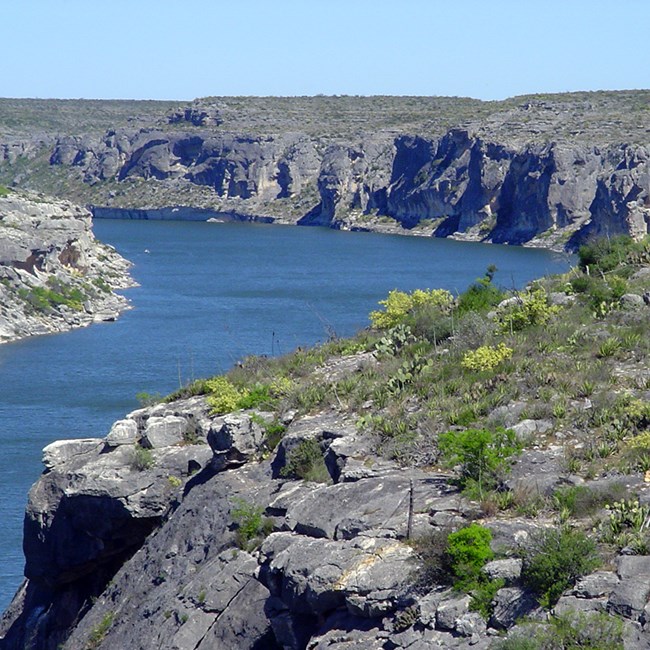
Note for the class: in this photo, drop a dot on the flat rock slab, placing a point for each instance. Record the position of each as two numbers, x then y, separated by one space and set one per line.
344 510
320 575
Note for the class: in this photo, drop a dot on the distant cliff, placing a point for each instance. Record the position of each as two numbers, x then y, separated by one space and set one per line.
54 275
537 171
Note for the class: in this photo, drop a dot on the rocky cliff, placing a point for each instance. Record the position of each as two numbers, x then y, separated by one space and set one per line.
307 514
540 171
54 275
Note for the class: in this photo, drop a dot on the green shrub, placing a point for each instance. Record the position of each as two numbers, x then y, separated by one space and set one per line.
148 399
483 455
305 461
605 254
468 550
602 294
4 191
555 559
572 631
483 596
252 526
257 397
399 304
98 633
142 459
224 396
273 433
581 501
480 296
485 358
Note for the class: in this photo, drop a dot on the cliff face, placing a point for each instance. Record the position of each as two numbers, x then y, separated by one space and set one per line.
460 185
544 172
53 274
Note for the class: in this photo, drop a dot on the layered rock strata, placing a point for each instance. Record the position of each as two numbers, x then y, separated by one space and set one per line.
543 173
54 275
131 541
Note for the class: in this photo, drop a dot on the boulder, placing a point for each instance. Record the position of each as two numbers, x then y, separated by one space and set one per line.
511 604
632 302
63 452
164 431
597 584
508 570
630 595
319 575
450 611
123 432
237 435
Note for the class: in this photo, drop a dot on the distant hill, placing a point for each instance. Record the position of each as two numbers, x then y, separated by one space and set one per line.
545 170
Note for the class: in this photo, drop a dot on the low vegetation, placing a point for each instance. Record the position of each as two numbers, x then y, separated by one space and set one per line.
251 526
438 381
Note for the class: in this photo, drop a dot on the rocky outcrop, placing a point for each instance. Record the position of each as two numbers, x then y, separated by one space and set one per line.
53 274
132 540
542 173
459 185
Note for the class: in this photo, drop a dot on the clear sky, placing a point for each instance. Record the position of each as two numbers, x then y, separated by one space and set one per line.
164 49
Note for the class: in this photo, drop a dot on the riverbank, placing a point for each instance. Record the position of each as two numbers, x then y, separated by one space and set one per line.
54 275
329 498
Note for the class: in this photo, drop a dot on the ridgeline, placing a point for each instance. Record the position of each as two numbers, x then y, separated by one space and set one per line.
543 170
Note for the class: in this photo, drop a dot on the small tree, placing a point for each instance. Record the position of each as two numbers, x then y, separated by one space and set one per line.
555 559
483 456
468 550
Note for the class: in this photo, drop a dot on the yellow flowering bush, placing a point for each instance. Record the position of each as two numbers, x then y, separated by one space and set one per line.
487 357
530 308
399 304
224 397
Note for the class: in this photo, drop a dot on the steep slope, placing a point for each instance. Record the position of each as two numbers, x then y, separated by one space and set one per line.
53 274
546 170
308 501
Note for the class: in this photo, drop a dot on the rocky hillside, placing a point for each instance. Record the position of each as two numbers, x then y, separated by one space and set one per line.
540 170
471 472
54 275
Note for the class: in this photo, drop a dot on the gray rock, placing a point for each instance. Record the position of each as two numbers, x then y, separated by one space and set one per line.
164 431
450 611
45 243
569 604
123 432
319 575
238 435
508 570
630 596
428 606
471 624
528 428
561 299
511 604
65 451
344 510
597 584
632 302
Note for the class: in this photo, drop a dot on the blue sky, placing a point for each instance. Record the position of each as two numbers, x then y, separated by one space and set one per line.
164 49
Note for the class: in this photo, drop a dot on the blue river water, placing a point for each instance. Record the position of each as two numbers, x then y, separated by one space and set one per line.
209 294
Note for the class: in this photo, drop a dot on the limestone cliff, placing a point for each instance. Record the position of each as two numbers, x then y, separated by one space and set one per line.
53 274
546 172
459 185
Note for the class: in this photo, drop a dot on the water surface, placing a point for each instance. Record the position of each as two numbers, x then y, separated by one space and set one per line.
209 294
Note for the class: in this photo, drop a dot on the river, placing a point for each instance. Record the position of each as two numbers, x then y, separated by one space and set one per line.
209 294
